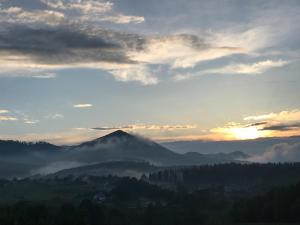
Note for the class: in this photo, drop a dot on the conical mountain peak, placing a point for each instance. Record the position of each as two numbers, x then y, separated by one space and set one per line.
118 133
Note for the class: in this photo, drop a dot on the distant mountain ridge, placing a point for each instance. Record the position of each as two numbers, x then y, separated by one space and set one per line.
11 147
251 147
121 146
116 146
237 155
114 168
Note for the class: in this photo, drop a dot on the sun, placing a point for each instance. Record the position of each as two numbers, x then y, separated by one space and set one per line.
245 133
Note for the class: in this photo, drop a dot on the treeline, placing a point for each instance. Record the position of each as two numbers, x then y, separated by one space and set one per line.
10 147
130 202
135 202
279 205
232 174
89 213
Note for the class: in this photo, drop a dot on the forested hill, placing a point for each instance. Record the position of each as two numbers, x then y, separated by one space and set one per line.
232 176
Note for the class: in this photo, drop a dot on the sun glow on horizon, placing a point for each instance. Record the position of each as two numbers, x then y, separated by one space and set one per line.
244 133
235 131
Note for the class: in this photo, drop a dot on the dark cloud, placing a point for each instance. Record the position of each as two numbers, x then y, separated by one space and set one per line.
256 124
68 44
282 127
275 127
73 43
105 128
193 40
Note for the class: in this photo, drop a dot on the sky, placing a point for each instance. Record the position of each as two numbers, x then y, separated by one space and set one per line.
73 70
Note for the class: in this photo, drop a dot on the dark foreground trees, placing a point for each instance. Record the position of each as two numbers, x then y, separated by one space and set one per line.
279 205
130 201
180 207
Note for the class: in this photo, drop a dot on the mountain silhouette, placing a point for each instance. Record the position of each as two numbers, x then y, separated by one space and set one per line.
123 146
17 158
114 136
21 158
10 148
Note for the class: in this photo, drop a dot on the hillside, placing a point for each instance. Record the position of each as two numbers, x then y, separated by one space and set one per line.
25 159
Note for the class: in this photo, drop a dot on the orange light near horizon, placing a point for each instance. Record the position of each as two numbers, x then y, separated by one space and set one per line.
243 133
235 131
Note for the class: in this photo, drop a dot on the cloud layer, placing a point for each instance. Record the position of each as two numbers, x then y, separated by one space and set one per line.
279 153
128 57
283 122
62 34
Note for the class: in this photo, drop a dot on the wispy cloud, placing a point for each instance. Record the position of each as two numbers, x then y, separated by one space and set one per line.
2 111
44 75
55 116
138 73
291 115
83 129
255 68
8 118
183 76
85 105
123 19
23 117
185 50
67 11
148 127
19 15
29 121
92 11
261 117
237 68
86 6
